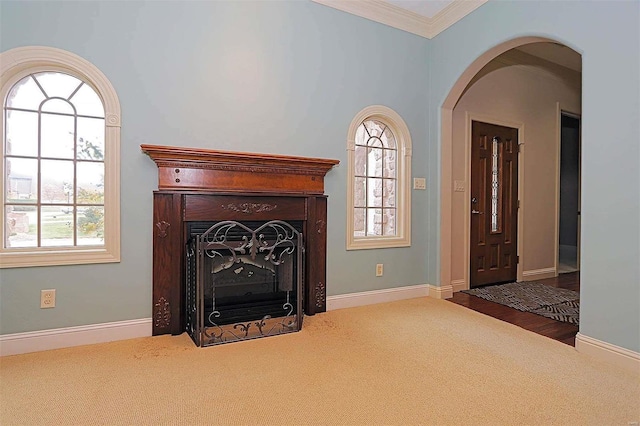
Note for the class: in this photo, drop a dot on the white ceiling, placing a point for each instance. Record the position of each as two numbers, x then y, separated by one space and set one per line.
426 8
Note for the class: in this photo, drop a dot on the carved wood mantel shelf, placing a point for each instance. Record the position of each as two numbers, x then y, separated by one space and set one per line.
208 185
210 170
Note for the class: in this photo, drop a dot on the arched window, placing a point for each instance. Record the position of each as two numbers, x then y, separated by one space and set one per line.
60 160
378 195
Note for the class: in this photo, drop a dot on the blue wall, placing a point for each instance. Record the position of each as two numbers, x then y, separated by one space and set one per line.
274 77
608 37
288 77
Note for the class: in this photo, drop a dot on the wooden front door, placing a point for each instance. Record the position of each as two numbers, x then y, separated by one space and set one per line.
494 204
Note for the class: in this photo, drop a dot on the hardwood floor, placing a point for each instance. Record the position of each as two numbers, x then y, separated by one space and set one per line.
561 331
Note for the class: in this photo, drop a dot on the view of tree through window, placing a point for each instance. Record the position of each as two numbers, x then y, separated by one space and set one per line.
54 163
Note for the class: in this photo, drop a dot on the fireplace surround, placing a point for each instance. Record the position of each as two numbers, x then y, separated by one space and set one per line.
200 187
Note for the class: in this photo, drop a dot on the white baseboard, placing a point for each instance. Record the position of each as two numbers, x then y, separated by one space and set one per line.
34 341
352 300
442 292
608 352
538 274
459 285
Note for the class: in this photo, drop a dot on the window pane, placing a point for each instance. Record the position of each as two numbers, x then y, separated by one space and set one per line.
90 178
360 157
57 136
21 228
25 94
361 135
57 227
57 181
59 106
22 133
374 222
374 192
374 128
389 222
495 187
90 226
90 138
360 192
389 195
375 142
87 102
359 222
22 180
56 84
390 164
388 139
374 162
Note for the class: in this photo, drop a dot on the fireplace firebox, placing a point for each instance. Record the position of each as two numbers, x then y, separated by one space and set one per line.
243 281
239 243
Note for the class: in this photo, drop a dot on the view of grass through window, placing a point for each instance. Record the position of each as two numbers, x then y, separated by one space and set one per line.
54 163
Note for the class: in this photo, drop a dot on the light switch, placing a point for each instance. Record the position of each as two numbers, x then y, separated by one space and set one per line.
458 185
419 183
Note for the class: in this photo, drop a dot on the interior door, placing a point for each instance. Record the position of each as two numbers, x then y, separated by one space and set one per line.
494 204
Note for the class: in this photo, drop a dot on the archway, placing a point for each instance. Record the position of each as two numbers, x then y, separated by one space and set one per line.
447 145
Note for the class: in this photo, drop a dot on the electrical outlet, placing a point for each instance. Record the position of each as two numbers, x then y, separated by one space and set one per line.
48 298
379 270
419 183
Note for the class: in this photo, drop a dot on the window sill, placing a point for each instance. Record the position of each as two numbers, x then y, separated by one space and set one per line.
57 257
377 243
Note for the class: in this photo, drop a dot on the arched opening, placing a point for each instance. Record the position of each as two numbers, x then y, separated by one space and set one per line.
528 84
511 85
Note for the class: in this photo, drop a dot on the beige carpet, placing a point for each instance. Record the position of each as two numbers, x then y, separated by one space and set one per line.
419 361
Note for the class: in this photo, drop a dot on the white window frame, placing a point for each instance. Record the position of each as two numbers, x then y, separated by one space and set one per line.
18 63
403 193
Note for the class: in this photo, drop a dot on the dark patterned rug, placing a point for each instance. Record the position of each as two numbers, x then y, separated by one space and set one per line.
556 303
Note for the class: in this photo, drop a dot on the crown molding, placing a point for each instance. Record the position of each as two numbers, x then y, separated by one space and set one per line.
384 13
389 14
451 14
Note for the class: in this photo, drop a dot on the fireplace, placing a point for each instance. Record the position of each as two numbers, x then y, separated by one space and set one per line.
264 216
243 280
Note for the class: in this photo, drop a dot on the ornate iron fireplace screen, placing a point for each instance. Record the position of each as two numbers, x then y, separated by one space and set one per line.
244 283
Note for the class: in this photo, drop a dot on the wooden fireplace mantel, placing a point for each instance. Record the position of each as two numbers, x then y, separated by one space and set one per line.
207 185
196 169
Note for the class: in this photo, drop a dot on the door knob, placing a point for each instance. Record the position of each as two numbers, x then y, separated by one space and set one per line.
476 212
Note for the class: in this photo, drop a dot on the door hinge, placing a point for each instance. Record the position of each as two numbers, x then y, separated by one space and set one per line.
517 260
519 147
518 203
